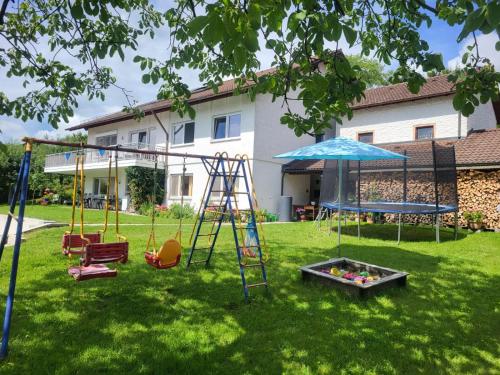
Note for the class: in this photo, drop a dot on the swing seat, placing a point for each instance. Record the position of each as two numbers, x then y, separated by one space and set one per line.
74 241
169 255
96 271
96 253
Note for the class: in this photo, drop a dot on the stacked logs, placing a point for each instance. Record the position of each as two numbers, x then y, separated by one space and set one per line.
479 190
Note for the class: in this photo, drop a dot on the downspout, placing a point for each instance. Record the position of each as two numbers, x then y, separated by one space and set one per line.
459 125
167 138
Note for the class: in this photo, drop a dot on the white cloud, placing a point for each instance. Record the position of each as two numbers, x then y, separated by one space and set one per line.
12 130
487 49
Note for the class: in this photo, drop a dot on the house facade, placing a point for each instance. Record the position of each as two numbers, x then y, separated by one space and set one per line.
223 123
237 125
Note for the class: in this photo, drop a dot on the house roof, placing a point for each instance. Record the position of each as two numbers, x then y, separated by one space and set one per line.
200 95
481 148
398 93
436 86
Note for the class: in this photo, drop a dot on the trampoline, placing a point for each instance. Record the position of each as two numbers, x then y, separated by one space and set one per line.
391 208
423 184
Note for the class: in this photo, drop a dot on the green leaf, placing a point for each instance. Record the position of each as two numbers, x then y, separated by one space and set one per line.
197 25
146 78
473 22
350 35
497 46
240 56
77 10
458 101
493 13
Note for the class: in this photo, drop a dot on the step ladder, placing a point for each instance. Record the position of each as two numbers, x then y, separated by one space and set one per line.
221 203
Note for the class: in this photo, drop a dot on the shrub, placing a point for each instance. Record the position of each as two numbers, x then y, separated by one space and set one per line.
141 185
473 216
146 209
176 211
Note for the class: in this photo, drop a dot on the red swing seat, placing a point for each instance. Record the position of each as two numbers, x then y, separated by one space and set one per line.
74 241
97 271
97 253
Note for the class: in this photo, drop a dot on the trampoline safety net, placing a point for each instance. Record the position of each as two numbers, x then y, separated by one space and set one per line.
425 183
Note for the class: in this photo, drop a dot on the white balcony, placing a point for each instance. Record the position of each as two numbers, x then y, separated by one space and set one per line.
64 162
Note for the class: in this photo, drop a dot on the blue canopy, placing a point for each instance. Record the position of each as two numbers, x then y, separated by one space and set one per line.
340 148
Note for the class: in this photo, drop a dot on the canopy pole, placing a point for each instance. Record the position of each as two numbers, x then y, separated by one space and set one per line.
340 207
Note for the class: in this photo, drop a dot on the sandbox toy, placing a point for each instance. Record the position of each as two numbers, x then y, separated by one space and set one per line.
354 277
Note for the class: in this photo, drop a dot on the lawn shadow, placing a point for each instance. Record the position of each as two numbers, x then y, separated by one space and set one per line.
409 232
196 321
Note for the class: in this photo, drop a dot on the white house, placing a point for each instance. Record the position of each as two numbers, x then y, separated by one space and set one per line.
392 114
237 125
223 123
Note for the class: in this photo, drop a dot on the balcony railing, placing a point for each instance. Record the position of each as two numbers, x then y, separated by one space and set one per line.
64 159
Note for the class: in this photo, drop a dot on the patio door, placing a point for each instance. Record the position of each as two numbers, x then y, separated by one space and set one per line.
101 185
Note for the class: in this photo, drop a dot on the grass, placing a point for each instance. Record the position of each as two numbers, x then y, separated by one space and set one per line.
62 214
195 321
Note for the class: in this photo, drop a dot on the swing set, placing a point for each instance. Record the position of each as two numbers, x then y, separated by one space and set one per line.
219 204
91 246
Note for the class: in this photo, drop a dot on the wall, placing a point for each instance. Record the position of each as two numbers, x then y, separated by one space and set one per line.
272 138
396 123
203 142
482 118
297 186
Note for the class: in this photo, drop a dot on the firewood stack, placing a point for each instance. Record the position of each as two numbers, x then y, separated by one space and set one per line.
479 191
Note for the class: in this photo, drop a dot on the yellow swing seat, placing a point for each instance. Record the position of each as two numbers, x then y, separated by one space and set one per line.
168 256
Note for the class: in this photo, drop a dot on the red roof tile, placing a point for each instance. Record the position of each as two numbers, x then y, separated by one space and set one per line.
434 87
479 148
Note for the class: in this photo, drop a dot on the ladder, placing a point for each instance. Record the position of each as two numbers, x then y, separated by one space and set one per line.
221 203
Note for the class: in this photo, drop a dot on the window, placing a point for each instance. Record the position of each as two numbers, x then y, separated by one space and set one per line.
177 185
101 185
424 132
183 133
106 140
228 126
365 137
219 188
139 138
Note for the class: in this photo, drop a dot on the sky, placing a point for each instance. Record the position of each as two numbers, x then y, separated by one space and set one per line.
441 38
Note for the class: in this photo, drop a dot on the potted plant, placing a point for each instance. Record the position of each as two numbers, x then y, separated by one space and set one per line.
369 217
301 214
474 219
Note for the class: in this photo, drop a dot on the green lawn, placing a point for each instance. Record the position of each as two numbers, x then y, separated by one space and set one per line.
62 214
195 321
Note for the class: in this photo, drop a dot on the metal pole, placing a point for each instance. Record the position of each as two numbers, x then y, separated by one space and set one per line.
437 228
13 201
121 149
15 257
339 207
359 225
399 228
456 225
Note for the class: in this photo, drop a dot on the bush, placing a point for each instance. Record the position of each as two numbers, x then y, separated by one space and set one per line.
146 209
176 211
141 185
473 216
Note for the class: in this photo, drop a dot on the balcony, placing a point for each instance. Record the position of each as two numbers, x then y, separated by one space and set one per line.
64 162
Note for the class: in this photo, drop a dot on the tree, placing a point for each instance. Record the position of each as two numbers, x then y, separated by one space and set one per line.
223 38
370 71
80 34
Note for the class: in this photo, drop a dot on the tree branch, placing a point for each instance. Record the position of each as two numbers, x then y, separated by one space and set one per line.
3 10
424 5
